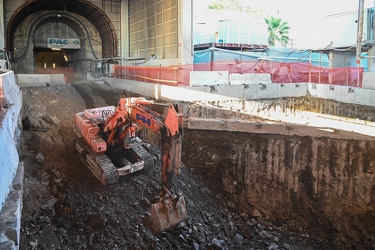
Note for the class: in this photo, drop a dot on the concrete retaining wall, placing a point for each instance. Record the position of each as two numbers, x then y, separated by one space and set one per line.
368 80
9 134
215 78
343 94
202 78
238 79
256 91
210 93
11 170
27 80
164 92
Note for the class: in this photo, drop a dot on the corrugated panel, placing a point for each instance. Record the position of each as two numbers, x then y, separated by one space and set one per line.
153 28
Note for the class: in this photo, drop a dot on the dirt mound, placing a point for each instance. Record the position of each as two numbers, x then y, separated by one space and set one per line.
65 207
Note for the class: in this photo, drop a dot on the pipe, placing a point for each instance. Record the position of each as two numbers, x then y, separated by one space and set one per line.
359 31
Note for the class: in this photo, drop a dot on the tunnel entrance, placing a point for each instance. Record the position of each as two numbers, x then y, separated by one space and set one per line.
63 36
49 61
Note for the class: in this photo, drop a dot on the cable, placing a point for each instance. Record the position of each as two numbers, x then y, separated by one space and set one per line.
37 19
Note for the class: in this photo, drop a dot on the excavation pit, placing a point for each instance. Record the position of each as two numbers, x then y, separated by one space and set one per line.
249 181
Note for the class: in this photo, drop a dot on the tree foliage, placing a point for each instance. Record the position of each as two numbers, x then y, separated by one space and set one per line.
234 5
277 31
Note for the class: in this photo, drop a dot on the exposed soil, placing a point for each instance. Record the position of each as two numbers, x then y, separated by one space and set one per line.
65 207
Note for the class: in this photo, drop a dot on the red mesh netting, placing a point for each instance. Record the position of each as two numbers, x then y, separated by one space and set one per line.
281 72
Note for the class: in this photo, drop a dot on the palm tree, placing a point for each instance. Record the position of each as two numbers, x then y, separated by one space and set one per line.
277 31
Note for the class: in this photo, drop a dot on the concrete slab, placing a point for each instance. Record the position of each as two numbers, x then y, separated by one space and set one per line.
37 80
368 80
321 127
209 78
343 94
238 79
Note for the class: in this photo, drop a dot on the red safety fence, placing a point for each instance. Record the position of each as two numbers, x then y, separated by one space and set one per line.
281 72
171 75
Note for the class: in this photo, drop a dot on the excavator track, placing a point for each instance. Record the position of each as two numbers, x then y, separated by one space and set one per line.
99 164
143 154
106 172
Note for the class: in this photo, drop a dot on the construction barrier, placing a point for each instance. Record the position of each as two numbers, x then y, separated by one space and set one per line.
67 71
281 72
172 75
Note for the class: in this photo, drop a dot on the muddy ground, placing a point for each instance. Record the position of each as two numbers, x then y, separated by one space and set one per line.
65 207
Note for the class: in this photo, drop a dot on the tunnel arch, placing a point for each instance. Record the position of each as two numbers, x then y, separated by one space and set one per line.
86 9
71 20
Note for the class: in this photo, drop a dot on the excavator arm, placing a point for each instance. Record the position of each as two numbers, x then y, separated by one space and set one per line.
171 208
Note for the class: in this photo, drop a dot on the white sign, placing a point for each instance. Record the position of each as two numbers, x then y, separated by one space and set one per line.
63 43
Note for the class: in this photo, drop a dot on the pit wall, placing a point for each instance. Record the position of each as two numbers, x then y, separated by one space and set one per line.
9 133
311 182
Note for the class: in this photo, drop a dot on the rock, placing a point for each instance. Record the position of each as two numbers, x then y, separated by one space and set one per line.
195 246
255 213
58 181
199 236
238 238
40 157
33 244
226 231
263 234
286 246
247 233
96 220
50 212
261 227
231 224
28 123
49 204
244 216
273 246
45 179
216 227
136 235
230 204
146 201
56 173
216 242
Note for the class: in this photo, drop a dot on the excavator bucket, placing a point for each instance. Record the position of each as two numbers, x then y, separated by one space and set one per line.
165 215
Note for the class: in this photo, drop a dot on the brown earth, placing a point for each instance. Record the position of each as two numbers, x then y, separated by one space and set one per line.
65 207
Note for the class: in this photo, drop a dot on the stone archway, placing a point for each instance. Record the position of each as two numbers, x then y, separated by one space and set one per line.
80 7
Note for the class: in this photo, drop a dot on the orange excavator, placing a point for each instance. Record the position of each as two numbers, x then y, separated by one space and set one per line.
108 142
